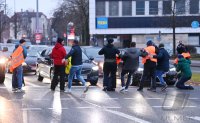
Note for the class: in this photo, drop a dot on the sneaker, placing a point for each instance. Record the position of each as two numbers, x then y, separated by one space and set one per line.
14 89
140 89
151 89
86 89
104 89
68 91
20 91
164 87
126 90
122 89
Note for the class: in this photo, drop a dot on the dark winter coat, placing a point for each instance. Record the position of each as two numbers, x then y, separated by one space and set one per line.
163 60
131 59
76 54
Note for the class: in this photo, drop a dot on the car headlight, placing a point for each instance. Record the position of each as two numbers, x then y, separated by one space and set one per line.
172 69
3 60
24 64
101 65
140 69
95 68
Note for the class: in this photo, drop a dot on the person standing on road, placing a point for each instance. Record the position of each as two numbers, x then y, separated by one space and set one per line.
184 67
162 65
149 66
130 64
58 54
75 70
17 58
110 65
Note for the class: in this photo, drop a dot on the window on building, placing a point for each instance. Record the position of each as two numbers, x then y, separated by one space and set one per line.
140 7
194 6
167 7
100 8
126 8
180 6
153 7
113 8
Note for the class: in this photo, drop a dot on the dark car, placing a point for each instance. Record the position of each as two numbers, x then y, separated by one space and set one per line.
169 77
30 62
92 53
3 63
45 67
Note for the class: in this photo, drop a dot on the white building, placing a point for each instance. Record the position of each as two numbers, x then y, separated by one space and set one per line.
141 20
26 25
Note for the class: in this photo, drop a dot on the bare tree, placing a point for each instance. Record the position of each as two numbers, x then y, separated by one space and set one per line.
76 11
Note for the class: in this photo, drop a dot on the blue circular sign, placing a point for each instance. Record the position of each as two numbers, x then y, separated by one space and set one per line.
195 24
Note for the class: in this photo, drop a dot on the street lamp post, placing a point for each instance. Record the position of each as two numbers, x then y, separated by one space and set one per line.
37 17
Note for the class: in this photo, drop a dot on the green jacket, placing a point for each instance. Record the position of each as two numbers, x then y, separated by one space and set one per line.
184 66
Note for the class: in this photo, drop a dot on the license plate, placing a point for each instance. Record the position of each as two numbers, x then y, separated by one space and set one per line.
84 77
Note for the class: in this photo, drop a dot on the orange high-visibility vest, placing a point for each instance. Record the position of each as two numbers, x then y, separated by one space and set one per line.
185 55
118 60
151 51
17 58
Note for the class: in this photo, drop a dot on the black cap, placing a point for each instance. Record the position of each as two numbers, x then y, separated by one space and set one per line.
22 41
59 40
161 45
110 41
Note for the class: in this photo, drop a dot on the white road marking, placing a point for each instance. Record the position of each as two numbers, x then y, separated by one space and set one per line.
56 109
171 106
30 109
111 107
135 119
195 118
34 85
111 98
153 98
84 107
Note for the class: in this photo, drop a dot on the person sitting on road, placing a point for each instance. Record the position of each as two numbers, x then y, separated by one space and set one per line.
184 67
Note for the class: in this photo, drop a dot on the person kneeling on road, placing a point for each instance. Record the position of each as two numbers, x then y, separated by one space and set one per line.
184 67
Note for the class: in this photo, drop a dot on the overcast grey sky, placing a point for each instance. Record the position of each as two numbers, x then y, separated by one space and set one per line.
45 6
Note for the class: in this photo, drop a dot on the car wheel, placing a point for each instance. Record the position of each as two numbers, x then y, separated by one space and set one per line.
2 79
93 82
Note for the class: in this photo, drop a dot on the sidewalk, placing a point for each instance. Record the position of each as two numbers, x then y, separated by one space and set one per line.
194 63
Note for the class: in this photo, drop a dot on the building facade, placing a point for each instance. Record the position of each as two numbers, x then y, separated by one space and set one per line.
23 24
142 20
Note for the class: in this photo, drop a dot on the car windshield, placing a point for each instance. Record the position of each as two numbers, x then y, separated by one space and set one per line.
93 52
32 53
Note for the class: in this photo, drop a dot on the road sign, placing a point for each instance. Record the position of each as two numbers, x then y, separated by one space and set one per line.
38 38
195 24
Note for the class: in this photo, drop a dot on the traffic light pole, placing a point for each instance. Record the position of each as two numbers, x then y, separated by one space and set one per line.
37 17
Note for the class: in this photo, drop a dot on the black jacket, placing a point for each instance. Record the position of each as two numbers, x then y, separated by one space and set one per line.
109 52
163 60
76 54
131 59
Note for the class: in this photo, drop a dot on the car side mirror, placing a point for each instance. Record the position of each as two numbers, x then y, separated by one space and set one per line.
47 58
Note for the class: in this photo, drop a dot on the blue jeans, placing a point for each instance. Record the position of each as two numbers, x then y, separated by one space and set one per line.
75 70
17 77
181 83
159 74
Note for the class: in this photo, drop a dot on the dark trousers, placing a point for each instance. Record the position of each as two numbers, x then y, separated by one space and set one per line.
149 72
130 73
181 83
59 70
109 79
17 77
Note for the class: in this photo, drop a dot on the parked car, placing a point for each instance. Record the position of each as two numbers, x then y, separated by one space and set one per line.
38 48
3 63
30 62
92 53
169 77
45 67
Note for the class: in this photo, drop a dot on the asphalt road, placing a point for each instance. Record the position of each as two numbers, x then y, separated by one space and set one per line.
40 105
